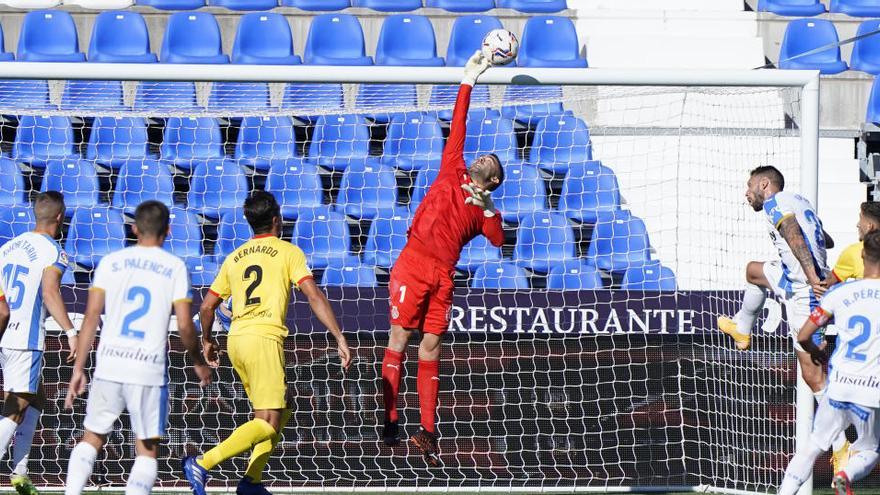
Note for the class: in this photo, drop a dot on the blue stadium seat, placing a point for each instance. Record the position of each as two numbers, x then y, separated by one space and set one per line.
217 186
424 179
445 95
245 4
264 38
120 36
12 191
381 96
533 6
238 96
296 186
803 35
388 5
173 4
48 36
619 242
189 139
192 38
201 272
386 239
165 95
651 276
407 40
310 97
531 114
92 95
142 180
263 141
39 139
318 5
413 142
461 5
366 190
856 8
184 235
4 55
17 93
488 134
574 275
349 275
544 239
559 142
77 179
114 141
550 41
477 253
340 141
866 51
791 7
589 188
94 233
874 103
14 221
521 193
324 237
467 36
232 231
336 39
500 275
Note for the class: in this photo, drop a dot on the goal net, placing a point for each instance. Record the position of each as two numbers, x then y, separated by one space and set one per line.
581 354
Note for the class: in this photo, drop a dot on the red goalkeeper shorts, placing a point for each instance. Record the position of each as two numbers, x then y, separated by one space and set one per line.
420 292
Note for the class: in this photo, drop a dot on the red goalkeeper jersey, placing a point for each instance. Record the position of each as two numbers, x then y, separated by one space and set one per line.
443 223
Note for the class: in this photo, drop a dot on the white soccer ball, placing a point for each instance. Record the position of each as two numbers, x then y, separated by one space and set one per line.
500 47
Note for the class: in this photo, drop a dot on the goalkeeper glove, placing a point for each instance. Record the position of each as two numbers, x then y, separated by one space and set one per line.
475 66
481 198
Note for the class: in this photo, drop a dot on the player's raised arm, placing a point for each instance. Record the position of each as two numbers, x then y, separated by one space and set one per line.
475 66
321 307
94 308
791 231
51 288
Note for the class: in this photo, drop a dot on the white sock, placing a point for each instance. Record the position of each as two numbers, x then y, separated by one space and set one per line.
799 470
752 305
142 477
861 465
79 468
24 438
840 440
7 431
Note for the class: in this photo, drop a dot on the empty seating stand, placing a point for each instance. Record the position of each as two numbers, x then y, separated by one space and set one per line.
533 6
245 4
12 191
120 37
804 35
550 41
94 233
619 242
324 237
264 38
115 141
75 178
142 180
192 38
48 36
462 5
14 221
318 5
407 40
388 5
172 4
349 275
791 7
467 36
4 55
336 39
866 51
296 186
650 277
574 275
500 275
856 8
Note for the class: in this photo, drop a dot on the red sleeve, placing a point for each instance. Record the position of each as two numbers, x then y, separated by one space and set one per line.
454 150
493 231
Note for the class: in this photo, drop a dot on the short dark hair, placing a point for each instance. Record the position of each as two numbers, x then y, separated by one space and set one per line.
259 210
770 172
151 218
871 246
48 205
871 209
485 174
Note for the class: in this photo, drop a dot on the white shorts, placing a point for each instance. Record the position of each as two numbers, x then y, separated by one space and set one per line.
797 297
147 407
833 417
22 370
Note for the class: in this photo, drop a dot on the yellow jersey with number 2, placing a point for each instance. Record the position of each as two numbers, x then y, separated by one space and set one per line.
258 276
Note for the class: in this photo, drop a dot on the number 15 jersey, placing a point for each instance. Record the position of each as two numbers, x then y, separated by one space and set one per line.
258 276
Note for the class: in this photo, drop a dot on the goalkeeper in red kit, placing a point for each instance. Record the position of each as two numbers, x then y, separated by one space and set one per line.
457 208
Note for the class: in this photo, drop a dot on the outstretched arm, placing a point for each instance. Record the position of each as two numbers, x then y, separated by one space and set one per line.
454 149
321 308
791 231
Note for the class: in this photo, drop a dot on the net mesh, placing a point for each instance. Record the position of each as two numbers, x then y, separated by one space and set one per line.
580 353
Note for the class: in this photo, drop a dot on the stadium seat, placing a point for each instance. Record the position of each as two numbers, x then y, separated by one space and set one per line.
388 5
477 253
445 95
77 179
386 239
201 272
94 233
803 35
533 6
100 4
12 190
874 103
233 230
336 39
165 95
245 4
366 190
17 93
413 142
238 96
500 275
488 134
407 40
172 4
589 188
467 36
264 38
574 275
795 8
516 105
120 37
544 239
189 139
142 180
304 98
4 55
14 221
550 41
92 95
318 5
324 237
114 141
382 96
856 8
184 235
424 179
339 141
461 5
651 276
48 36
263 141
217 186
866 51
619 242
522 193
349 275
192 38
39 139
296 186
559 142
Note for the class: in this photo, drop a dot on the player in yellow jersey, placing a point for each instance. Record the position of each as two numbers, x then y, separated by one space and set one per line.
849 264
258 277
